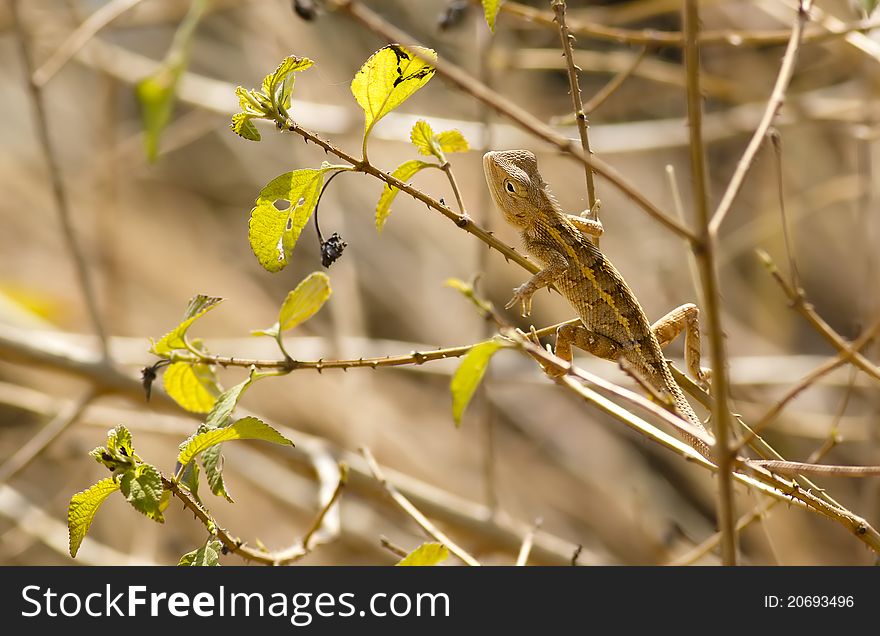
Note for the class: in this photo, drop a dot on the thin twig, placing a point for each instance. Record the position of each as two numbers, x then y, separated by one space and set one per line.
393 548
59 192
799 302
704 251
787 239
786 70
577 103
413 512
528 540
447 168
288 365
808 380
319 519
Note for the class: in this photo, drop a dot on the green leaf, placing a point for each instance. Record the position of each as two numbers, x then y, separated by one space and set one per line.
429 553
273 232
212 462
304 301
404 172
389 78
243 126
245 428
190 479
119 453
278 86
206 556
156 93
429 143
142 487
226 403
468 375
300 304
422 137
193 386
82 509
452 141
176 338
119 441
490 10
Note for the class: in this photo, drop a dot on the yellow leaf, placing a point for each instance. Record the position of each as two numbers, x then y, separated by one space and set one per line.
192 386
468 375
243 126
304 301
245 428
452 141
175 339
282 211
422 137
82 509
404 172
429 553
389 78
278 85
490 9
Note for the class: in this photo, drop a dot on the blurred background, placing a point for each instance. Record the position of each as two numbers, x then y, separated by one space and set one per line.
155 234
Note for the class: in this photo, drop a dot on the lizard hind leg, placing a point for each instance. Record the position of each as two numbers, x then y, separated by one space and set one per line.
589 341
685 318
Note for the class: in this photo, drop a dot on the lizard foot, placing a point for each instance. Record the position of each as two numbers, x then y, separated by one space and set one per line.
522 295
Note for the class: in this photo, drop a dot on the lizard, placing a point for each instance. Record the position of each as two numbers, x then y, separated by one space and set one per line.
613 324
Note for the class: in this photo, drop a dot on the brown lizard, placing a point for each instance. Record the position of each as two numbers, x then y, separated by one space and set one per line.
614 325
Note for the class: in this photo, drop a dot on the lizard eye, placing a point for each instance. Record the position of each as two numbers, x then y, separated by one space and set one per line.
508 185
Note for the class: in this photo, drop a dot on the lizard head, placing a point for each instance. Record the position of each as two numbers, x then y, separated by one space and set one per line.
516 185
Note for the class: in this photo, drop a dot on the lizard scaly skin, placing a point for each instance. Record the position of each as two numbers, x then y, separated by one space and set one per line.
615 326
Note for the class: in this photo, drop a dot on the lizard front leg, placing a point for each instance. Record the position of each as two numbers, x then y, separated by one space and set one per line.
555 265
685 318
586 226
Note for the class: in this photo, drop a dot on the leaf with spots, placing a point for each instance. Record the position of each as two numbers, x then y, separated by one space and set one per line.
283 208
390 77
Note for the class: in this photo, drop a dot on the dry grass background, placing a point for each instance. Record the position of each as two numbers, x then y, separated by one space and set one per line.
156 234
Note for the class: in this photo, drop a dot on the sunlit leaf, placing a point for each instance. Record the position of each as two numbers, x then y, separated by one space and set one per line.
304 301
82 509
143 489
389 78
490 10
279 84
206 556
426 554
422 137
245 428
193 386
283 208
226 403
175 339
404 172
243 126
452 141
468 375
